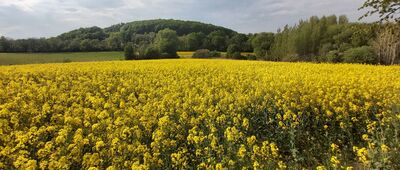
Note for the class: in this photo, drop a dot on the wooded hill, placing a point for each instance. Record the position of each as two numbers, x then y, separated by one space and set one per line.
144 27
317 39
114 37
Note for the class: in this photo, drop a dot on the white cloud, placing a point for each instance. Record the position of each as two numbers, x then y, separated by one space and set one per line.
37 18
25 5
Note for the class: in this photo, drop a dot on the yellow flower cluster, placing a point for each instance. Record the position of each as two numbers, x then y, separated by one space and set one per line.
192 114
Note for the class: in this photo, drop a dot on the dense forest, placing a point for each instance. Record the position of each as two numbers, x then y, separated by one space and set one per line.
317 39
193 35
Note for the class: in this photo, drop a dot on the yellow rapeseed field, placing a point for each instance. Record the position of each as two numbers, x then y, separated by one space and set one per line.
199 114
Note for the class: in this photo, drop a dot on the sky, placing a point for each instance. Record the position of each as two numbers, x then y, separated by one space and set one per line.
47 18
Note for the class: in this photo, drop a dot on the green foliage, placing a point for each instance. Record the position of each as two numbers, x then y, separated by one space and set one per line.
334 57
205 53
262 43
193 36
84 33
362 54
152 52
387 9
181 27
202 53
167 42
148 51
114 41
250 57
313 39
234 52
3 43
387 43
343 19
129 52
217 40
86 45
243 41
192 41
215 54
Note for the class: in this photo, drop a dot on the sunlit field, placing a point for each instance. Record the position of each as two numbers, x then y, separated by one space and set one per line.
199 114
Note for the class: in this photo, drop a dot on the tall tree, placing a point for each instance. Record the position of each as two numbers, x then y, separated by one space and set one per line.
193 41
4 44
114 41
387 44
343 19
129 51
167 42
241 40
262 43
217 40
233 51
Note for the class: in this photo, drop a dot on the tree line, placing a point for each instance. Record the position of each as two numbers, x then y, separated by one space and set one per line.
191 35
317 39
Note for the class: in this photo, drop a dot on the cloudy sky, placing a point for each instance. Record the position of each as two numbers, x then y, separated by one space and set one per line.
45 18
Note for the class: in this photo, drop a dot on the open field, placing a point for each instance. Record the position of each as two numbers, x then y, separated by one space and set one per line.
39 58
36 58
206 114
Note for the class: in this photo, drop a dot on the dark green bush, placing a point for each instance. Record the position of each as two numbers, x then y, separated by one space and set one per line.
215 54
129 51
250 57
364 54
152 52
334 57
234 52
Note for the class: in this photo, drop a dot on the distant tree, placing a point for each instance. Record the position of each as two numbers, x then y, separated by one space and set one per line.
192 41
114 41
4 44
73 46
129 51
181 27
217 41
147 51
234 52
325 49
363 54
141 51
332 20
333 57
262 43
343 19
86 45
167 42
55 44
152 52
193 36
387 44
85 33
146 38
241 40
386 9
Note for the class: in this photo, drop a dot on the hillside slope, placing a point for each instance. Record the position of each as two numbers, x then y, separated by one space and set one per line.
143 27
